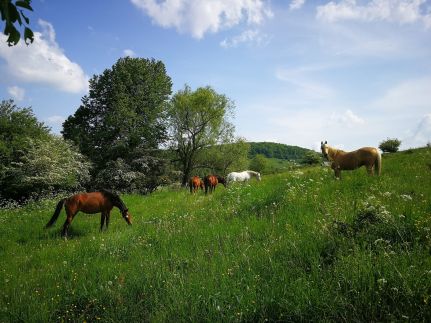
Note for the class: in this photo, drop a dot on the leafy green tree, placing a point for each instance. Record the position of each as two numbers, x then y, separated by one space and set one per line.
311 158
259 163
12 13
17 125
124 114
390 145
224 158
198 119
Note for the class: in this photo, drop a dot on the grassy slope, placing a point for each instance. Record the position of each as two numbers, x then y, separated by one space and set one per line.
268 250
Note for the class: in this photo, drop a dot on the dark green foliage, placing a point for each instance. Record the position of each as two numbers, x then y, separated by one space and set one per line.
11 14
141 175
311 158
276 150
123 117
16 126
390 145
259 163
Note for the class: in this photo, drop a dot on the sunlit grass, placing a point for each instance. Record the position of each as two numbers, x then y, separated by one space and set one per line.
297 246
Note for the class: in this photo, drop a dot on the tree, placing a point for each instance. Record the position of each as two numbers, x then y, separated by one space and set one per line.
16 126
32 161
311 158
198 120
124 115
226 157
390 145
259 163
12 13
50 164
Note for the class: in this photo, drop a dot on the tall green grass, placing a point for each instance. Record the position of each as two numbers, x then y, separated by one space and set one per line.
297 246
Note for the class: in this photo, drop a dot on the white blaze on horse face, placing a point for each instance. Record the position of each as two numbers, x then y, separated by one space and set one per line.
325 149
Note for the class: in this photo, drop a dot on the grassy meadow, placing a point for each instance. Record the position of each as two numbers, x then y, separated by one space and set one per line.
297 246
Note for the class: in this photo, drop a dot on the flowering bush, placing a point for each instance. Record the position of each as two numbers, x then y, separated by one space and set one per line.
141 175
46 165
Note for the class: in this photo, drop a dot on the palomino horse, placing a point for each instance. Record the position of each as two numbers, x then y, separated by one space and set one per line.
242 176
94 202
211 181
340 160
195 183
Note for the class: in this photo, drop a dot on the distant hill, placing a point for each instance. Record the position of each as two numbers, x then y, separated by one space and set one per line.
276 150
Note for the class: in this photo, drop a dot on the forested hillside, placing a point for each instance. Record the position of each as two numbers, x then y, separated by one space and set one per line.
276 150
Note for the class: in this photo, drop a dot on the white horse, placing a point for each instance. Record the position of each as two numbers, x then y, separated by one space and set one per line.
242 176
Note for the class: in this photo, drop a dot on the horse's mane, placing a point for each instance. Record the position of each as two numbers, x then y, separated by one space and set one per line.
115 199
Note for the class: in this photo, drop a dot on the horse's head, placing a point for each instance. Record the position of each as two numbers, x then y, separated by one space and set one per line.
325 148
258 176
127 216
221 180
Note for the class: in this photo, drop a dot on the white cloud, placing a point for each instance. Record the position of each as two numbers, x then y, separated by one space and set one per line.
248 36
198 17
400 11
421 135
305 82
43 62
410 96
55 120
129 52
347 118
296 4
16 92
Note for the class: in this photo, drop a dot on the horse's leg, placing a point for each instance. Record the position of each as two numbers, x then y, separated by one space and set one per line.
70 214
102 220
108 215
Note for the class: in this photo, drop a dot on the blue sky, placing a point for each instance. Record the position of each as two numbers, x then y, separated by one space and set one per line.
350 72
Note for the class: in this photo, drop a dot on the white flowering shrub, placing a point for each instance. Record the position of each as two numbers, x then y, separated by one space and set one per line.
47 165
141 175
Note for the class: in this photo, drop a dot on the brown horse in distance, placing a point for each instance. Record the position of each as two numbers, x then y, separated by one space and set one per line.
211 181
195 183
369 157
94 202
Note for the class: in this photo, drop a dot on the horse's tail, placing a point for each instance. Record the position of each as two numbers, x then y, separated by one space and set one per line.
56 213
379 163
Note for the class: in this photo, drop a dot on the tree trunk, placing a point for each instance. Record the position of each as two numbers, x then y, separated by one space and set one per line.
186 175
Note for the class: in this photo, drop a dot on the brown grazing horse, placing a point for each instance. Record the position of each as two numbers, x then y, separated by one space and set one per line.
369 157
195 183
211 181
91 203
